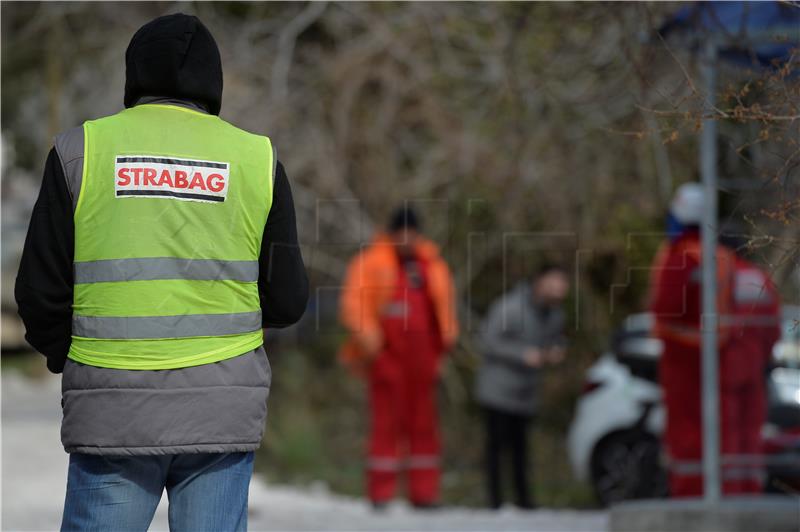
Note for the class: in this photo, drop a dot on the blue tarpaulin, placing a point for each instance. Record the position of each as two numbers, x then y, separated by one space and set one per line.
748 33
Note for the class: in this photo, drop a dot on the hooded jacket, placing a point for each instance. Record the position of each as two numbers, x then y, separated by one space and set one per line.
174 56
219 407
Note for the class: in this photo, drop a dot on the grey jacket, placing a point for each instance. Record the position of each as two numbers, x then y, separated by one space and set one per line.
219 407
515 323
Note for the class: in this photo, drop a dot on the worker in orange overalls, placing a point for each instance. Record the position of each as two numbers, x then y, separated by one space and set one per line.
755 329
675 301
398 305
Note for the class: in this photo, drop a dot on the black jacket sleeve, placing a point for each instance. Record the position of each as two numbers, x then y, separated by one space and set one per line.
44 283
282 280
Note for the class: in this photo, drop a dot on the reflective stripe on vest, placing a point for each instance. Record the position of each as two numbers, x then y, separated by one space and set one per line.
168 227
150 269
185 326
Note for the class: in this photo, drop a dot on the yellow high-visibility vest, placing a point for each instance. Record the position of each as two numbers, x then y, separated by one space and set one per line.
168 230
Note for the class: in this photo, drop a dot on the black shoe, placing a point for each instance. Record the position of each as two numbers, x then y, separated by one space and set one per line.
380 506
425 506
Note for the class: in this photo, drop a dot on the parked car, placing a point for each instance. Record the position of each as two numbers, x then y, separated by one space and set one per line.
614 441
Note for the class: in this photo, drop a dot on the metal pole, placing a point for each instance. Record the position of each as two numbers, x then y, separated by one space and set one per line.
710 318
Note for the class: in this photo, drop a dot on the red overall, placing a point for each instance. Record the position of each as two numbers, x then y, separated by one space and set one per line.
402 387
676 304
756 328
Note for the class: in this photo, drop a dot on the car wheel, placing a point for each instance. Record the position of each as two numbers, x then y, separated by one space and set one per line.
627 465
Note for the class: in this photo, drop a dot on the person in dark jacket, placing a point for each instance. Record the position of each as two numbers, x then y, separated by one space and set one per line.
523 332
190 430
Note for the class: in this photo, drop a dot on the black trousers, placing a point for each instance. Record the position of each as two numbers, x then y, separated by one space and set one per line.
507 432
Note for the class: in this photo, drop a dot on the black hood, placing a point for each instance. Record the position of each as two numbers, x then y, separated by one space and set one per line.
174 56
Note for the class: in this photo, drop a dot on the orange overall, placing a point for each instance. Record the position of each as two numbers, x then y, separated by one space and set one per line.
409 303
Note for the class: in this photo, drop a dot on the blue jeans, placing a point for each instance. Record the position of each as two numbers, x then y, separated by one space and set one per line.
121 493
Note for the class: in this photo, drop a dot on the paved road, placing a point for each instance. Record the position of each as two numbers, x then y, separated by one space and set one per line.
34 475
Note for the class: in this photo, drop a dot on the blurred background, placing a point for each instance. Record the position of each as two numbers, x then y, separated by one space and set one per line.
521 132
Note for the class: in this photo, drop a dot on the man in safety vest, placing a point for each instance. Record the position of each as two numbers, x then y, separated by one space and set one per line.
676 288
162 242
398 305
755 328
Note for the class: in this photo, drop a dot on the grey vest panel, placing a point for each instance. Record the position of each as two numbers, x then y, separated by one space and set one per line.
218 407
69 147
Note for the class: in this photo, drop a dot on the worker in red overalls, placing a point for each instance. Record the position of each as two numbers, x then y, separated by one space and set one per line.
755 329
398 305
677 307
